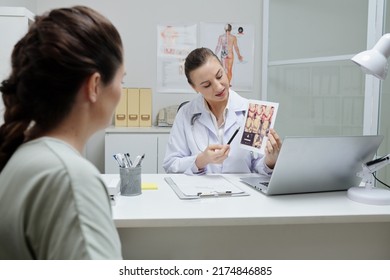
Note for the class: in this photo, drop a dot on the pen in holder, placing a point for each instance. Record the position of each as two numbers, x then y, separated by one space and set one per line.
130 183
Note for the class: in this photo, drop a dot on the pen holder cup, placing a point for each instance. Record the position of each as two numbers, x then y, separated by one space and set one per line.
130 181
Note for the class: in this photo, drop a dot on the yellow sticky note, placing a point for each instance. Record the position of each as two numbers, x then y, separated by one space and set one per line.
149 186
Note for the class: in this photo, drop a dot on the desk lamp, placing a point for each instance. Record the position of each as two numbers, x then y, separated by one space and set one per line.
373 62
369 194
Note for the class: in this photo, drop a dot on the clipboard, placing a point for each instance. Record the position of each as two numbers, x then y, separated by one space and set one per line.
196 187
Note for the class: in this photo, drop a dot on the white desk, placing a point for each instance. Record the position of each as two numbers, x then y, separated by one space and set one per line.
158 225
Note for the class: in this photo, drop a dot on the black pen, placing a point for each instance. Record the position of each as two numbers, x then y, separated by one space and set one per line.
117 159
234 135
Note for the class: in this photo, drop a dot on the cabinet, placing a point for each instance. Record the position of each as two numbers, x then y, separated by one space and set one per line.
14 23
136 140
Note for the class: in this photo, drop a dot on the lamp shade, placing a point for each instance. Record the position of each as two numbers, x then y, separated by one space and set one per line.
374 61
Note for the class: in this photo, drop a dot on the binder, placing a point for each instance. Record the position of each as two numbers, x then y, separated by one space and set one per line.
145 107
121 110
133 103
196 187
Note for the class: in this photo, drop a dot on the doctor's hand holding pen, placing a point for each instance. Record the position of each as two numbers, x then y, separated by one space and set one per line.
215 153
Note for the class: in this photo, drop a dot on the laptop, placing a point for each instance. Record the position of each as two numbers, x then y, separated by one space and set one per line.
317 164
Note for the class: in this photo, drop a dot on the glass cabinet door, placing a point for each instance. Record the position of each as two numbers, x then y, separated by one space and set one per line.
310 43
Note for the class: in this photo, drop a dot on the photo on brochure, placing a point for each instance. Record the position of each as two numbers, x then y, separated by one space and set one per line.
259 119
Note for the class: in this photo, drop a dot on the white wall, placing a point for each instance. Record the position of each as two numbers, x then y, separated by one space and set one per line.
30 5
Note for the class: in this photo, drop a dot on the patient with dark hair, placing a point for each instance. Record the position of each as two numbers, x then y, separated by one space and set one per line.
64 86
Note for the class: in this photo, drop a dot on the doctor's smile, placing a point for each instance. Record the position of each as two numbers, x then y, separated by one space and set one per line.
222 93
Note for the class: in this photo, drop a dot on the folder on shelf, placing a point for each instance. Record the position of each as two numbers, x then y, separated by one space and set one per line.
133 103
145 107
121 110
195 187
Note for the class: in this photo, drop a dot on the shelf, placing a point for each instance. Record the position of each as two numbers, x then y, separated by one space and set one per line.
153 129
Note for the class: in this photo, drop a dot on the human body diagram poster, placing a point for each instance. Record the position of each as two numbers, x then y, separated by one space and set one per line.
259 119
174 43
233 43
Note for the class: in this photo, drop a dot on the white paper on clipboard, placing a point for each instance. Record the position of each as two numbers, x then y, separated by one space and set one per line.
194 187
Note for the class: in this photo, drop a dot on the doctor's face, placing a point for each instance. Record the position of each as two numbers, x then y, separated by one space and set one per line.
211 81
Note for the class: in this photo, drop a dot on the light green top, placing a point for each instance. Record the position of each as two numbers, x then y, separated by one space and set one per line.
54 205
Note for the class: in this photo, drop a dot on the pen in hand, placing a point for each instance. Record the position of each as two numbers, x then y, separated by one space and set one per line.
234 135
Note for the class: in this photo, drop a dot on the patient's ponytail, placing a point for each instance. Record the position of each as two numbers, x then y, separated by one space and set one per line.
49 64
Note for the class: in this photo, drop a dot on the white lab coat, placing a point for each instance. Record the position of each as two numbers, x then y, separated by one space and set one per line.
193 130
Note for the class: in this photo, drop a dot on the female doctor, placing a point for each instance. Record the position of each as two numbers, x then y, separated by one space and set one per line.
202 128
